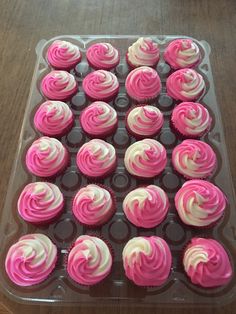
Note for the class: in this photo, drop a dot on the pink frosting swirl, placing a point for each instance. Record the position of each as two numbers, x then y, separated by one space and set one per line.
207 263
182 53
185 85
40 202
146 206
96 158
31 259
101 85
103 56
146 158
191 119
59 85
200 203
143 84
194 159
63 55
53 118
99 119
89 260
147 261
46 157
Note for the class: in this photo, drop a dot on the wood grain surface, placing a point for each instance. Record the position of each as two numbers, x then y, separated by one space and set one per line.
24 22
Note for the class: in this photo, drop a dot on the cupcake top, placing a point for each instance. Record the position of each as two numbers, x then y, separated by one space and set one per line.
40 202
143 84
144 121
182 53
63 55
59 85
147 261
93 205
191 119
194 159
96 158
53 117
46 157
207 263
144 52
200 203
103 56
89 260
146 206
31 259
100 85
146 158
98 119
185 84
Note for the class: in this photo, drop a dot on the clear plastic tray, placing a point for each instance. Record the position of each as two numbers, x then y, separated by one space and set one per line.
116 289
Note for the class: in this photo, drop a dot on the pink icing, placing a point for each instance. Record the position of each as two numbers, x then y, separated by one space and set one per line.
143 84
101 85
59 85
213 268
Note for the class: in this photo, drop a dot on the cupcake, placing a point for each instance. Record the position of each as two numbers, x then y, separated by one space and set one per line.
99 120
144 121
53 118
206 263
194 159
93 205
96 159
144 52
102 56
182 53
63 55
146 158
31 260
200 203
40 202
146 207
143 84
59 85
46 157
89 260
101 85
185 85
191 119
147 261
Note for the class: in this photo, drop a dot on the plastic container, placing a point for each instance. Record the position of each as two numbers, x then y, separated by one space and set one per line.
116 289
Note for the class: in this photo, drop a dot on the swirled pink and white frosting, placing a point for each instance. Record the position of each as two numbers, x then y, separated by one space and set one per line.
46 157
144 52
144 121
99 119
40 202
63 55
103 56
185 84
147 261
191 119
93 205
53 118
96 158
207 263
200 203
182 53
146 158
31 260
89 261
143 84
146 207
101 85
194 159
59 85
